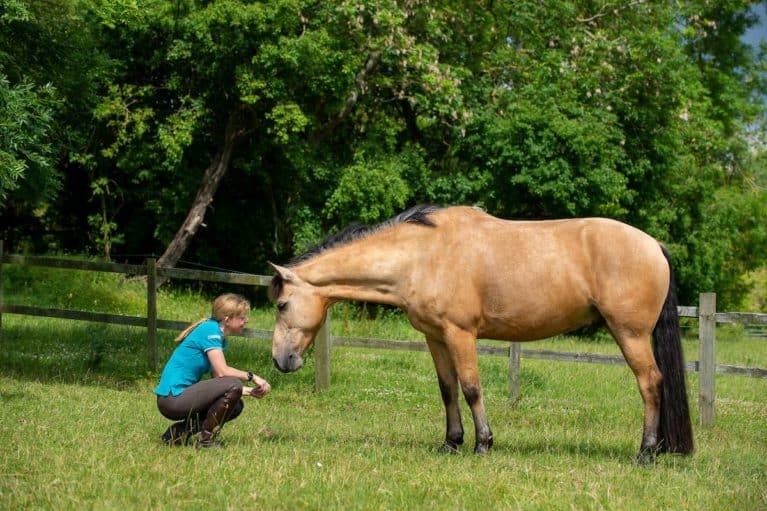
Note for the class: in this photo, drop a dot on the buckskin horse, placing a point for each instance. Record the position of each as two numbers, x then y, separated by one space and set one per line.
460 274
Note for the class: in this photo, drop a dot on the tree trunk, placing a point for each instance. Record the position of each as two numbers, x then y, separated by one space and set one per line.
235 129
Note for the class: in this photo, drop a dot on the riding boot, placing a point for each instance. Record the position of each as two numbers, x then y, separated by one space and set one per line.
176 434
217 415
181 433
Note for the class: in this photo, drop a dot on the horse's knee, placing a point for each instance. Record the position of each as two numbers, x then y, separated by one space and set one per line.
472 393
446 391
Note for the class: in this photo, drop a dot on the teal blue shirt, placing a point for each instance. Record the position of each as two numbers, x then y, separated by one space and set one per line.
189 361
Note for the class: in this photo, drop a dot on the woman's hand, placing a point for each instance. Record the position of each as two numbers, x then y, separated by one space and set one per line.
261 389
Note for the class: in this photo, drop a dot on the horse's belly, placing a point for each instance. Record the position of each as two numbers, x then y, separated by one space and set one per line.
535 325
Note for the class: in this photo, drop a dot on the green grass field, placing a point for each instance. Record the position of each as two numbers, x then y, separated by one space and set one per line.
80 429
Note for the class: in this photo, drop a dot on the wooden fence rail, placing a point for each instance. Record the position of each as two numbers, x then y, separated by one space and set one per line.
706 314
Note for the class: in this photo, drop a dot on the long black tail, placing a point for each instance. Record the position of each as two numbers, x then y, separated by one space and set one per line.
675 430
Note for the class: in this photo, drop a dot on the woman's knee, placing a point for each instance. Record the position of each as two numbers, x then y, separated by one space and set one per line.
236 411
233 387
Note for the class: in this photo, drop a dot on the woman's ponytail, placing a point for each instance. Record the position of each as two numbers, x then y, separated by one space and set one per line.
188 329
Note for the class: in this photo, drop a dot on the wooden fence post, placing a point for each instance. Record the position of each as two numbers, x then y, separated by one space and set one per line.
707 362
515 353
151 311
322 356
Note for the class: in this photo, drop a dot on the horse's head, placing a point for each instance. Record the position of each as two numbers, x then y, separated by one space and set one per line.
300 314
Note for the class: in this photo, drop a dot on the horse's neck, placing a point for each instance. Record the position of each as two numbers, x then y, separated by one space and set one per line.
362 271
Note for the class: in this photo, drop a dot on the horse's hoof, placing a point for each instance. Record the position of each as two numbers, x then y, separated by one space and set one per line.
483 445
646 458
481 449
448 448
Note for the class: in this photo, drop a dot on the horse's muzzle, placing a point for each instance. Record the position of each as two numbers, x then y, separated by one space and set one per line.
288 364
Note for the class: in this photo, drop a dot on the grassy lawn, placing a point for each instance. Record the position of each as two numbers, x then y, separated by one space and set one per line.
80 428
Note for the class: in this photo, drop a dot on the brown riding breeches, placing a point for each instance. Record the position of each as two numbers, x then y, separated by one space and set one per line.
197 399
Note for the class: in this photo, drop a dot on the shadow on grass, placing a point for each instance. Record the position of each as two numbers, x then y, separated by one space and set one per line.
619 450
82 354
9 396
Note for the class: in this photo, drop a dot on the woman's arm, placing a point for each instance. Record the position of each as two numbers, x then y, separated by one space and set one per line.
219 369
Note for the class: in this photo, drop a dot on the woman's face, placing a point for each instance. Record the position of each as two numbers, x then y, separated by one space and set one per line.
235 324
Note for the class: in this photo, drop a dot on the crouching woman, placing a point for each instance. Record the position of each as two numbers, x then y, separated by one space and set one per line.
205 405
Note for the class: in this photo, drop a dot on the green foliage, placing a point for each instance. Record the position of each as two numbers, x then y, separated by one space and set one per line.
368 191
27 166
612 117
13 10
756 299
102 223
288 120
50 69
649 112
126 122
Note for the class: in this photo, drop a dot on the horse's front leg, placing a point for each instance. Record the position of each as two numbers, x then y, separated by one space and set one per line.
448 387
463 353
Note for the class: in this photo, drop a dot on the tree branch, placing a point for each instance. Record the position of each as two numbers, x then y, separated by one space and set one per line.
614 10
360 83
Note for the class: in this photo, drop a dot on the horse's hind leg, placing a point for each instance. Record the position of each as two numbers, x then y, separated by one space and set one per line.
448 387
637 351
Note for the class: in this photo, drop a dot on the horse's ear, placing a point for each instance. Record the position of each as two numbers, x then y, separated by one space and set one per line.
284 273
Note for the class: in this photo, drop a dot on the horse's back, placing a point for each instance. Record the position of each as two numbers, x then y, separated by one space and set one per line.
592 241
532 279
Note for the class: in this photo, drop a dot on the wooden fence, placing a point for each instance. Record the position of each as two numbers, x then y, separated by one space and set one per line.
706 314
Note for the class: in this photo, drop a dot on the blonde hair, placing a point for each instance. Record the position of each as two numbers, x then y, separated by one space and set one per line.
228 305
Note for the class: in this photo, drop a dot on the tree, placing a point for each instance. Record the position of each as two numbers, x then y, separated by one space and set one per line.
295 74
236 128
49 73
26 156
241 131
607 111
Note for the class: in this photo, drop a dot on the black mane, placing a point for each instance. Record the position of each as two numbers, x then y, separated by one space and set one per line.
415 215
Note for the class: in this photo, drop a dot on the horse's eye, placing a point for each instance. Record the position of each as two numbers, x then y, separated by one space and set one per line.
281 306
